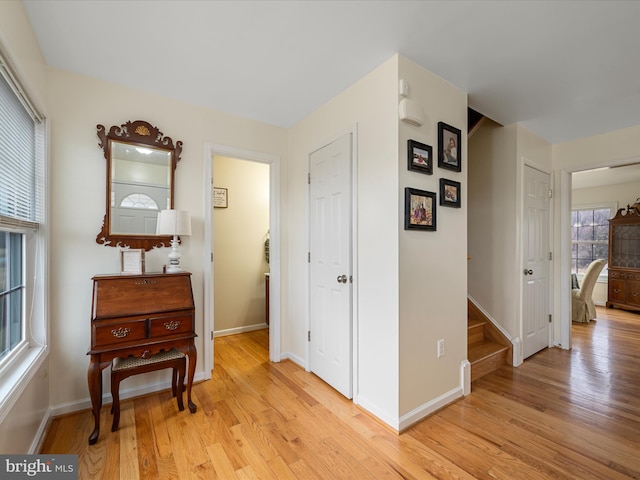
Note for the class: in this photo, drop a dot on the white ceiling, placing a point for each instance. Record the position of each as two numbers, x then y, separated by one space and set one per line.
607 176
564 69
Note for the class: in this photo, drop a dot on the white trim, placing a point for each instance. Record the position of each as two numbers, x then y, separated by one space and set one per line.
237 330
465 377
490 318
85 403
38 439
563 307
426 409
15 382
210 151
294 358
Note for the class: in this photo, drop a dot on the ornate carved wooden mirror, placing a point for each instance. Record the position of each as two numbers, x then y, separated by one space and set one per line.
141 164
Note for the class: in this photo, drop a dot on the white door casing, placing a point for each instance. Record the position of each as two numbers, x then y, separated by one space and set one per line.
536 261
330 274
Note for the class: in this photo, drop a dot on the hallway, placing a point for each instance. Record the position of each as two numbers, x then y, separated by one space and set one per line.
562 415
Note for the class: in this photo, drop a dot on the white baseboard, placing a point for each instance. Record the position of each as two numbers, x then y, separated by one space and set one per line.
428 408
377 412
38 440
235 331
294 358
85 403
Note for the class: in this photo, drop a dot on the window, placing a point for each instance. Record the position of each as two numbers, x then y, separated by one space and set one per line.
589 236
22 240
11 292
139 200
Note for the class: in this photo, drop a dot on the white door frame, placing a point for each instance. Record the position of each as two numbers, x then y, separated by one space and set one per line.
562 308
211 150
353 131
523 162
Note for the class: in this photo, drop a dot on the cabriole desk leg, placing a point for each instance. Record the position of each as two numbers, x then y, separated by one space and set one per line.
193 357
94 379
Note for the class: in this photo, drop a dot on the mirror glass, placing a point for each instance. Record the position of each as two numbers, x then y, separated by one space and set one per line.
141 164
140 187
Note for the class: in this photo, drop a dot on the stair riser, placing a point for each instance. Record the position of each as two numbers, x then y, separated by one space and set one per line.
475 335
488 365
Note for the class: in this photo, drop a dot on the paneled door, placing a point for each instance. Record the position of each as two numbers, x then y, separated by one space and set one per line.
330 281
536 258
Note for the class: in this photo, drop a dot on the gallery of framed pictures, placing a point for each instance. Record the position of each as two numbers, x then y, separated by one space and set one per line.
449 151
419 157
449 193
419 209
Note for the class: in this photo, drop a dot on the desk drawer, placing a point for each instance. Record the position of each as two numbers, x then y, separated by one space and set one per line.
114 333
171 325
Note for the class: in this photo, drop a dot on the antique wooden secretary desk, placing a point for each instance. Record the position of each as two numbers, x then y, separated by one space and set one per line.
140 316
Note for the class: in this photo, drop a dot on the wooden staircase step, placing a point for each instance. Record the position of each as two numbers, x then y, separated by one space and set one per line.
475 333
485 357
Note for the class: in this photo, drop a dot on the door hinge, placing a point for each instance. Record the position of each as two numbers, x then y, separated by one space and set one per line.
550 193
211 257
211 334
308 335
308 179
550 255
550 317
308 257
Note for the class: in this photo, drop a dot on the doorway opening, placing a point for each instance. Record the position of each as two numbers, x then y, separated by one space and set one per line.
242 227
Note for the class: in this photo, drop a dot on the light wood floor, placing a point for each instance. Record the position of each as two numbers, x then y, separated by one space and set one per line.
561 415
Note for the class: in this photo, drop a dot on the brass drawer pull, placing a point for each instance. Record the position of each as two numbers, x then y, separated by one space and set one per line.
172 325
120 332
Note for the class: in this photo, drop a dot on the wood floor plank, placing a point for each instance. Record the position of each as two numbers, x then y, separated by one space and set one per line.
562 414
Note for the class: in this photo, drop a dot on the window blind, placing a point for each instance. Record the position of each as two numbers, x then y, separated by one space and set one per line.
21 148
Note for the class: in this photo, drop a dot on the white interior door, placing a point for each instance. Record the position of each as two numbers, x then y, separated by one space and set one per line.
330 319
536 252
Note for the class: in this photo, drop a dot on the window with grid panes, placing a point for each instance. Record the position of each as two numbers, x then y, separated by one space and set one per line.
589 237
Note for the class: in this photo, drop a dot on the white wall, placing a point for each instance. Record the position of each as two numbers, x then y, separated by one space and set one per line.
239 232
492 222
21 425
77 105
370 105
497 156
432 265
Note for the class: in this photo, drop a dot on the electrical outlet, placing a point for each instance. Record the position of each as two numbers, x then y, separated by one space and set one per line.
441 347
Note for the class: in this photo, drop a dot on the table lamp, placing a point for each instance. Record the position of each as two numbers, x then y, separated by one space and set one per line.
174 223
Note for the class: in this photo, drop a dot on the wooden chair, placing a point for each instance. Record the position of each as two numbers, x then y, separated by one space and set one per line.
126 367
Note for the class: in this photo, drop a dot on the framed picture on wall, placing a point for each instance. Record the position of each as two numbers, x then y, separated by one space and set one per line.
419 209
420 157
449 152
220 199
449 193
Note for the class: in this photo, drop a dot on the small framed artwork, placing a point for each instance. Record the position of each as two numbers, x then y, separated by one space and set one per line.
220 199
449 154
420 157
449 193
132 261
419 209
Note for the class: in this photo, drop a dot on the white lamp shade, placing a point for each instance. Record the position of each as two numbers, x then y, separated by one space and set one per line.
173 222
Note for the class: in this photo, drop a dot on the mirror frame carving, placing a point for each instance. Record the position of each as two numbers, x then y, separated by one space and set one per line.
140 133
